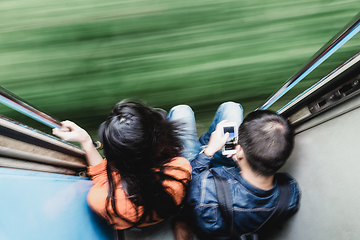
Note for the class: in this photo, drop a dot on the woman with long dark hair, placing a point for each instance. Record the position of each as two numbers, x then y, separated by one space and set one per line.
144 175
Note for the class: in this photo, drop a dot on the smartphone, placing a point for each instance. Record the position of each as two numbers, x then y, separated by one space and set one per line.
232 129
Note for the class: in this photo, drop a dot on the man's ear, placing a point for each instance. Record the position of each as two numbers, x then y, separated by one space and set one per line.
239 152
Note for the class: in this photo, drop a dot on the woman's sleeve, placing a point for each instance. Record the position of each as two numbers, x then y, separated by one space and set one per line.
98 173
180 169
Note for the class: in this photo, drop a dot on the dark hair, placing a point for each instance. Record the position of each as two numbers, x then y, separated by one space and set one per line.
138 139
267 140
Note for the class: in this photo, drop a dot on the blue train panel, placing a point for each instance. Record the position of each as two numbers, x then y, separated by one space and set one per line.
41 206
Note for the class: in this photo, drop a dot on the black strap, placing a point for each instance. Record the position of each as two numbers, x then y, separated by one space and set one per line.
224 197
283 203
225 203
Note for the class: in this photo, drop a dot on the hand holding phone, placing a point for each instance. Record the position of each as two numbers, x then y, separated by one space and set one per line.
232 129
217 140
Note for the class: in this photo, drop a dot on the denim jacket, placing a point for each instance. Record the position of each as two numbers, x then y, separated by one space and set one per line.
251 206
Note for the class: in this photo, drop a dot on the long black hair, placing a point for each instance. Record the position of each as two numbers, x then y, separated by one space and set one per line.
137 140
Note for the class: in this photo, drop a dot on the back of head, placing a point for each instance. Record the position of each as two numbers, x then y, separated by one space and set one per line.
267 140
126 136
138 139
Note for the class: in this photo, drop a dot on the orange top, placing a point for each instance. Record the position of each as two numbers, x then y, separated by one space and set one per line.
98 193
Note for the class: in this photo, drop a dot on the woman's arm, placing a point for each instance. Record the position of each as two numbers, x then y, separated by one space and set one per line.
69 131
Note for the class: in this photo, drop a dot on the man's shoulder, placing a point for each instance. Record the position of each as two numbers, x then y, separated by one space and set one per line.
286 179
227 172
224 172
294 188
250 204
284 176
202 187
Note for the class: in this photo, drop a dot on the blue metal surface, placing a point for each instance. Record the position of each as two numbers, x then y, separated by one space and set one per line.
324 53
27 112
317 83
11 100
43 206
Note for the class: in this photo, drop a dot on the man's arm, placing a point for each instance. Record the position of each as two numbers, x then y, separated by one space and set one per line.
199 164
216 142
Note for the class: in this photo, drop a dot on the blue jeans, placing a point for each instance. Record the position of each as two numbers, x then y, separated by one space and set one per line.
233 112
184 115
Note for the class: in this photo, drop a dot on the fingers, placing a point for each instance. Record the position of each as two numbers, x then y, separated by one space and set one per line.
225 137
58 132
217 139
220 124
69 131
66 129
219 132
68 126
55 131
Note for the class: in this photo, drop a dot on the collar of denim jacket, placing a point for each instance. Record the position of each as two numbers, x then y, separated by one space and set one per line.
235 172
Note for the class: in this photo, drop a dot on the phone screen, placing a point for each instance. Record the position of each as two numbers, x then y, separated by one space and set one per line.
229 145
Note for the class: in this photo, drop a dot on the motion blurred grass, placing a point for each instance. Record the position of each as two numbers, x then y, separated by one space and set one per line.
76 59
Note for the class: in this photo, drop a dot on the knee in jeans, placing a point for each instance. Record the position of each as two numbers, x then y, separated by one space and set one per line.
182 111
229 104
231 108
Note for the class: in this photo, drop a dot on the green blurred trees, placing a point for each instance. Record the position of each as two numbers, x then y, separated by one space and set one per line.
76 59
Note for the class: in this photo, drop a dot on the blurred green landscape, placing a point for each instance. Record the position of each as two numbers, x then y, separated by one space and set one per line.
76 59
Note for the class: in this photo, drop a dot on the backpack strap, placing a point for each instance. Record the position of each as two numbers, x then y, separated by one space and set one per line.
223 194
280 212
225 203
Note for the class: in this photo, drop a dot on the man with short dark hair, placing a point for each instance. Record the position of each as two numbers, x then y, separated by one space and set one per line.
267 140
264 144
